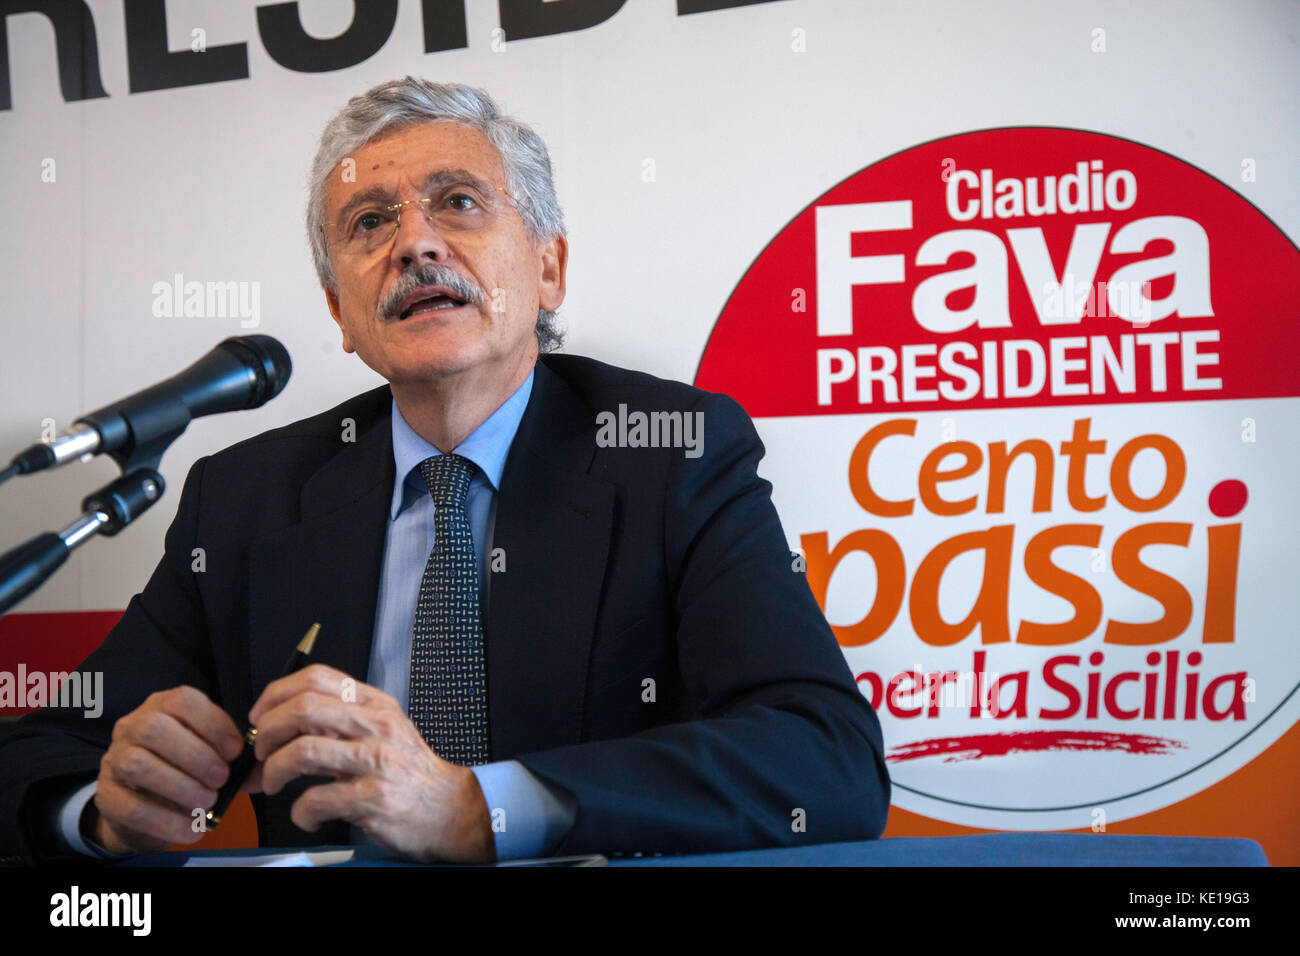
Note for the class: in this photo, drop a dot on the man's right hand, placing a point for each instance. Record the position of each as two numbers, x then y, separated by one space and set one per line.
167 759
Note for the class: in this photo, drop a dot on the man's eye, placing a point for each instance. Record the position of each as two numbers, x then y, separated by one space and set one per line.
368 222
461 202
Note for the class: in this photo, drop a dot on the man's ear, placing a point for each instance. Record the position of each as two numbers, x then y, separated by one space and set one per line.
332 300
554 261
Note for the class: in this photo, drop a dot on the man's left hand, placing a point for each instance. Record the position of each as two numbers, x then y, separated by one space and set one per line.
387 780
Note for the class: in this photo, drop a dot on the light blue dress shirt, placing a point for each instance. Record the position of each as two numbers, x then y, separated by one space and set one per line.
529 820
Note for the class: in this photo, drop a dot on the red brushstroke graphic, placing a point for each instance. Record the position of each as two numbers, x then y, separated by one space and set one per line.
976 746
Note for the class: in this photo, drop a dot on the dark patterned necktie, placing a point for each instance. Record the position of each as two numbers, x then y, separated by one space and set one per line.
448 698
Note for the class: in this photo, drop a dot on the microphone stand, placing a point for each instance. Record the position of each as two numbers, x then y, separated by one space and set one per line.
244 372
106 511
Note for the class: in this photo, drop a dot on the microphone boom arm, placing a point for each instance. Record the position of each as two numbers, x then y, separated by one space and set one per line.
106 511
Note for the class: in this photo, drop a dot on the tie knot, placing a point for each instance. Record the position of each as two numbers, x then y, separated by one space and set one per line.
448 478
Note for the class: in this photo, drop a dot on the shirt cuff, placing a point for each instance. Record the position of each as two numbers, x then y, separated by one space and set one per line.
68 825
528 820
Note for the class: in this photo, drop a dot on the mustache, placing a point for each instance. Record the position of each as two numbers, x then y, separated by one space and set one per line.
429 274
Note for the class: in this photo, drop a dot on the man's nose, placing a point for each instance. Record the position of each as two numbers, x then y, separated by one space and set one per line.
417 238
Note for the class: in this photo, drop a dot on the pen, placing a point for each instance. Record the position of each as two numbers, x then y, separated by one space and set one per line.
243 764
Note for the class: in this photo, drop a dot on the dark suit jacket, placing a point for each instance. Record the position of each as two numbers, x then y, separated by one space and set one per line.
622 565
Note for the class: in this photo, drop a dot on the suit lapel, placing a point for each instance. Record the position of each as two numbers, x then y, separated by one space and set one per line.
553 525
326 568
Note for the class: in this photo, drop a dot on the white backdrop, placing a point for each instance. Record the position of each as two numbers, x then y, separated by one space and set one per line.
209 181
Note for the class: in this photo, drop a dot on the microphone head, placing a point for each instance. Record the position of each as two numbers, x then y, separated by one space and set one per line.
267 358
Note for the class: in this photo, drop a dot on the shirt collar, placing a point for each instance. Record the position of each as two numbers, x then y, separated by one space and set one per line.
486 446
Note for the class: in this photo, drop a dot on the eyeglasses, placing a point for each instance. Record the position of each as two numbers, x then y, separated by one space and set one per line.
456 207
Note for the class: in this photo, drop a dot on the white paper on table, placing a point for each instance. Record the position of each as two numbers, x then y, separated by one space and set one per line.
321 858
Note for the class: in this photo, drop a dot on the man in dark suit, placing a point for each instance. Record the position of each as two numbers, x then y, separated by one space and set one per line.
541 631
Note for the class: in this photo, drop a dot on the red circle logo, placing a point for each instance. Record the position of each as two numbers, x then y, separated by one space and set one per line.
1029 397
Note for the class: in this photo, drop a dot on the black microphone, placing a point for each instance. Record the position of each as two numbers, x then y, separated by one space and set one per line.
243 372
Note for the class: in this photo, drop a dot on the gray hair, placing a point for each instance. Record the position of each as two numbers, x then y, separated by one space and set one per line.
411 101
